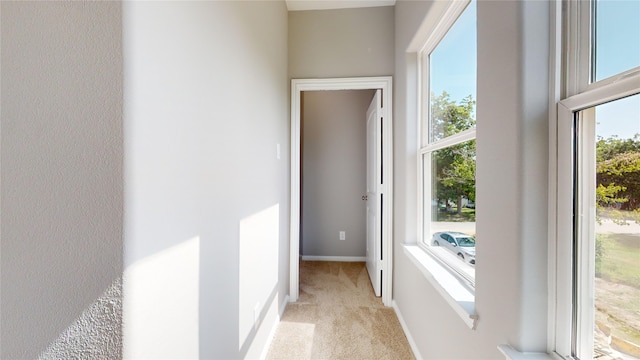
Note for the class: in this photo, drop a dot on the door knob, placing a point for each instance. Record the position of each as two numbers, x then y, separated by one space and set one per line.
365 197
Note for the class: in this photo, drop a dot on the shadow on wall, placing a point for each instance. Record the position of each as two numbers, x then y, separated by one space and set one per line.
97 332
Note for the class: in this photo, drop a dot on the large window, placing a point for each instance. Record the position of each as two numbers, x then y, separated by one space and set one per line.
447 154
597 184
607 240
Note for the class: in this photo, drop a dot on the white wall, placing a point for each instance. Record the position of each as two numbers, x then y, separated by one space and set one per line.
341 43
206 103
62 183
334 170
511 274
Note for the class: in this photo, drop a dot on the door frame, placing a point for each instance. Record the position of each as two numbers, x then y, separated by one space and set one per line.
362 83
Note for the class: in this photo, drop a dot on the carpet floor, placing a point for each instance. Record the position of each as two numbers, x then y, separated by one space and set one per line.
337 316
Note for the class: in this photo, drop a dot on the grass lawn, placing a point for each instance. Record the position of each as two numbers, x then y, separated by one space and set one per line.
468 215
618 286
620 261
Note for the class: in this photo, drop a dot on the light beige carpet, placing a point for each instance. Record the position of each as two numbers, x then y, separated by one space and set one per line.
337 316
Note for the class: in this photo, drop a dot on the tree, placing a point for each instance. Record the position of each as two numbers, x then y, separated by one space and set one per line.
449 118
622 175
606 149
454 167
618 179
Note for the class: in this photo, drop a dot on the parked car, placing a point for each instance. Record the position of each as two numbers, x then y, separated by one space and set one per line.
461 244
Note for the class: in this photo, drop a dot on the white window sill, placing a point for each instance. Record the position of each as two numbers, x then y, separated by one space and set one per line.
513 354
461 299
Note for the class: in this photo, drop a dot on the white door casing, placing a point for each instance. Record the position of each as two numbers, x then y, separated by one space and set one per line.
374 149
386 220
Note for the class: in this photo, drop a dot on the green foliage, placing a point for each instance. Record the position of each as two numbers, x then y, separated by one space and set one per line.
600 253
606 198
454 167
618 174
607 195
449 118
606 149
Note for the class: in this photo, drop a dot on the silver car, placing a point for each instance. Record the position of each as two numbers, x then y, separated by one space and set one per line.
461 244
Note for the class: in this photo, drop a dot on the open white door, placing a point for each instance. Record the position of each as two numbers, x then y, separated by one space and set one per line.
382 219
373 197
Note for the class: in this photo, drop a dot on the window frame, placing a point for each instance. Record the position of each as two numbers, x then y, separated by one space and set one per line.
465 273
572 149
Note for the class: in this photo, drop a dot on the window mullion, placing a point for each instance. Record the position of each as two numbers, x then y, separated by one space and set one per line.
577 48
424 101
458 138
564 231
627 84
585 233
585 55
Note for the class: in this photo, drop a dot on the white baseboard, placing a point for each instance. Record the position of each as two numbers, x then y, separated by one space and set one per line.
334 258
283 307
274 328
412 343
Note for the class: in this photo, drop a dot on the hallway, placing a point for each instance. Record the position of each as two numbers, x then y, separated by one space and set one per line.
338 317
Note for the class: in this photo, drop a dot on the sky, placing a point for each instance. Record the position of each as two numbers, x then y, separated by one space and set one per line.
617 50
453 62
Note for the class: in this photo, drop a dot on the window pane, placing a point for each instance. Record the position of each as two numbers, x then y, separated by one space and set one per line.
452 78
617 37
617 230
450 193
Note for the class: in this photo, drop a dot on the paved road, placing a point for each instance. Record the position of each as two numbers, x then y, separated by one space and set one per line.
609 227
465 227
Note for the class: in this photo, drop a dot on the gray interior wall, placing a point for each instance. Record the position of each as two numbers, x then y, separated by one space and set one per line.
334 172
341 43
207 201
511 178
62 181
198 165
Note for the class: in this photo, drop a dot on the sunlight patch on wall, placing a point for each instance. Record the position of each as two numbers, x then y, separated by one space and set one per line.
259 235
161 305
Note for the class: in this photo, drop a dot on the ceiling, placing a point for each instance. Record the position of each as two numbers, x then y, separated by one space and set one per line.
298 5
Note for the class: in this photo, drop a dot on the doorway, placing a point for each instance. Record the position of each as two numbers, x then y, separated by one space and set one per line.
384 84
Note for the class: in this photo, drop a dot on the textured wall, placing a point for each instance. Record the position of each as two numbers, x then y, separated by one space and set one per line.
341 43
96 334
334 172
206 97
61 185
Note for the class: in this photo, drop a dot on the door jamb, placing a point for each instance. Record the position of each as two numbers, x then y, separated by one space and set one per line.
363 83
